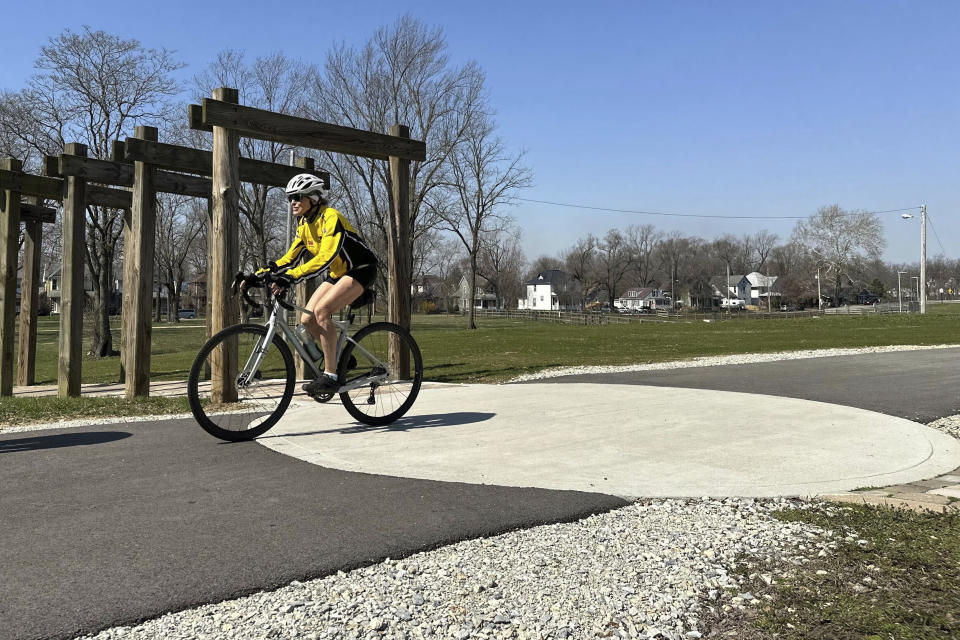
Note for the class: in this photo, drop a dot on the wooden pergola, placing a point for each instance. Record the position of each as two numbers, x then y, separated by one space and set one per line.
143 166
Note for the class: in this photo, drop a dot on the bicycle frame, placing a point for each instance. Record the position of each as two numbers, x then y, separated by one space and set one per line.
275 322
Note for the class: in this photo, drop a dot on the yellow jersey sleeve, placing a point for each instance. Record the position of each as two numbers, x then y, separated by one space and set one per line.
295 251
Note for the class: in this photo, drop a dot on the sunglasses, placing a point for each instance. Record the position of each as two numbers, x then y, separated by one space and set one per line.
295 197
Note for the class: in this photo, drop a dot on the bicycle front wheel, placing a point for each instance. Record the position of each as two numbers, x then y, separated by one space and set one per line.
395 373
239 385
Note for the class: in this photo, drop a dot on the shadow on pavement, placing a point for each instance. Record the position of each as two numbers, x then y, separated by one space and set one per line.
407 423
62 440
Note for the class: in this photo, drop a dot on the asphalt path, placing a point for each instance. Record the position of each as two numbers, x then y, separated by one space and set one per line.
113 524
917 385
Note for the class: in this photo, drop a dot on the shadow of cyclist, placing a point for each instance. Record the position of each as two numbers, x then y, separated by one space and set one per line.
407 423
61 440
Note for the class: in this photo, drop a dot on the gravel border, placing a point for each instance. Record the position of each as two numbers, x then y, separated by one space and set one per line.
649 570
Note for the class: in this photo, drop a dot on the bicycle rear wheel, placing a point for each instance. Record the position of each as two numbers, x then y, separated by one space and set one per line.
259 394
390 393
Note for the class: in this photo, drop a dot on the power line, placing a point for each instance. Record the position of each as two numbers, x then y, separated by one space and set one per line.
695 215
935 234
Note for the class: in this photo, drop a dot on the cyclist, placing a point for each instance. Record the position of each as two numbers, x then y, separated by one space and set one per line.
327 246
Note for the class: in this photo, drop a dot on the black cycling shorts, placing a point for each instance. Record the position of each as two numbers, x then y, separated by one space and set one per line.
366 275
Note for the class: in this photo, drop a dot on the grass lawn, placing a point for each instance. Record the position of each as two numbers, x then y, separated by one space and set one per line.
501 349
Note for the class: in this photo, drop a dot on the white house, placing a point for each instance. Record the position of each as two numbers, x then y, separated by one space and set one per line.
636 299
726 287
755 288
544 291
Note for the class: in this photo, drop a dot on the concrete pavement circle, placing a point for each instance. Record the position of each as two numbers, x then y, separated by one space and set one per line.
628 441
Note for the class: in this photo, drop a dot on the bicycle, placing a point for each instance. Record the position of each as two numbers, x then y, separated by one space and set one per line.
380 367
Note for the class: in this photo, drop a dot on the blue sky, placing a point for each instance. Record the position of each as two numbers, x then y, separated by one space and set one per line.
714 108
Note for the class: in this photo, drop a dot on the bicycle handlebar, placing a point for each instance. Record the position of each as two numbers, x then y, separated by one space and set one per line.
262 281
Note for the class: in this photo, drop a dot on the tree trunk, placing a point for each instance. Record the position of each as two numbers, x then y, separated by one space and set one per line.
102 345
472 293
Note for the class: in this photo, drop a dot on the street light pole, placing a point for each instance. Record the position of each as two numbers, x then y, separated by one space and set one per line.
923 258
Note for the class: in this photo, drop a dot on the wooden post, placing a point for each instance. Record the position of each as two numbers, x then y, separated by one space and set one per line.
125 295
29 299
9 247
72 295
225 250
305 289
399 256
138 276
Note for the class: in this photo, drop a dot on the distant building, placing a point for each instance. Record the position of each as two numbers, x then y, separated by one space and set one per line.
547 291
484 298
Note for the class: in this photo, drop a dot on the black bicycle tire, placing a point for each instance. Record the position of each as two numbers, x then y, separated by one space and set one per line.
416 361
193 381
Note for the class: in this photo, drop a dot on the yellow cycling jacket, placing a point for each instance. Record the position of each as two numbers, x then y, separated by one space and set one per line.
327 243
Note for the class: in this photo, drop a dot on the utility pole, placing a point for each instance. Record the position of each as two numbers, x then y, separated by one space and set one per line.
923 259
899 297
819 297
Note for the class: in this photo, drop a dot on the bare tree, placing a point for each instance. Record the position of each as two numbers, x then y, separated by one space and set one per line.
674 251
761 244
403 75
643 241
442 259
729 251
179 222
92 87
501 263
841 240
544 263
274 83
614 260
483 179
580 264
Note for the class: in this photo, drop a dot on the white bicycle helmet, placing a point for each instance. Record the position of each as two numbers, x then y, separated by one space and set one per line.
306 184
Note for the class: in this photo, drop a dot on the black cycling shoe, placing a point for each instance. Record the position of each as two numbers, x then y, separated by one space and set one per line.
323 384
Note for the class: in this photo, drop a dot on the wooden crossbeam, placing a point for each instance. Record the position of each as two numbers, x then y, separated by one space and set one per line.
177 158
181 184
121 173
195 116
95 170
98 196
36 212
30 185
300 132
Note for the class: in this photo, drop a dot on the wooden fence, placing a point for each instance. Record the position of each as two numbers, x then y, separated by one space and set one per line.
664 315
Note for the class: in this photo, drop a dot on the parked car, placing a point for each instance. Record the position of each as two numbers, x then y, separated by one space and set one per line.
791 306
733 303
187 314
868 298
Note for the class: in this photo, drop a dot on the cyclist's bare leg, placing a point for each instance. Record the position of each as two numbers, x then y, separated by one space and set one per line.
327 300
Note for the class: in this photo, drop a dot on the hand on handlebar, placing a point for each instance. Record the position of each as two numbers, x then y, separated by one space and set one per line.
280 283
